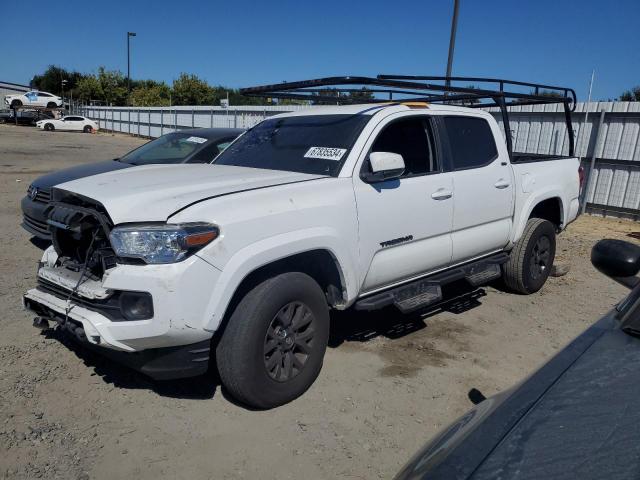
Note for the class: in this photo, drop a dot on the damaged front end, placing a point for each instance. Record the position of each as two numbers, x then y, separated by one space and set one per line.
80 234
73 272
109 303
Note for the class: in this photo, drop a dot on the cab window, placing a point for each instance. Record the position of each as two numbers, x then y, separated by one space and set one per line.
471 142
412 138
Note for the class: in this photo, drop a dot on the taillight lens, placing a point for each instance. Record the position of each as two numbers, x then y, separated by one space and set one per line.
581 176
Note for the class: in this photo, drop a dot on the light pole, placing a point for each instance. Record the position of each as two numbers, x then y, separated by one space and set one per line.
452 40
129 35
62 83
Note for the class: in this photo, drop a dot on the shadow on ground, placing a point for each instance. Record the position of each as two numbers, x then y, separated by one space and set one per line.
346 326
201 387
355 326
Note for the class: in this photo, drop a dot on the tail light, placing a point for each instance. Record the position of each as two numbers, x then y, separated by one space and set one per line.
581 176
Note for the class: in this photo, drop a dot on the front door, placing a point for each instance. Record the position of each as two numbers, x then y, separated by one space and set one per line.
404 224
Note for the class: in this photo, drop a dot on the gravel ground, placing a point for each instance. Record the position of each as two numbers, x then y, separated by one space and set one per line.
388 384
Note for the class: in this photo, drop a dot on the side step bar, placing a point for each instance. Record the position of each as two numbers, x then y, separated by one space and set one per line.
428 291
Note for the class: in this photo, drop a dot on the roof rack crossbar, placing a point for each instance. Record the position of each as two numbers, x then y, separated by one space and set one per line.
568 93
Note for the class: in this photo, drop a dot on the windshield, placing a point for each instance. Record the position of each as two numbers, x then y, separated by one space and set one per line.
315 144
170 148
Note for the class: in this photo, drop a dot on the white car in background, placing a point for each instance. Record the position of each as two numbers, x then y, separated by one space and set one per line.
33 98
69 123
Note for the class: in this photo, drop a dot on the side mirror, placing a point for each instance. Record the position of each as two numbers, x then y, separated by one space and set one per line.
384 166
616 258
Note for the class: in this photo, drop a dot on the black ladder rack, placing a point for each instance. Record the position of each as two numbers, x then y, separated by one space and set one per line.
397 89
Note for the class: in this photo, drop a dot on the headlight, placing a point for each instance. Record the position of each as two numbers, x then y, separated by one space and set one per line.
161 243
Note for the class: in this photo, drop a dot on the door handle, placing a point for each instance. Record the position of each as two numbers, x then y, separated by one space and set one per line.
442 194
502 183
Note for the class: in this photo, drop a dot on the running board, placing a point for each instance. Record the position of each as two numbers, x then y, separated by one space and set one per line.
428 291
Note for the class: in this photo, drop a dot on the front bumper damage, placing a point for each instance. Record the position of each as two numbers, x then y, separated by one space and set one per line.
164 363
169 345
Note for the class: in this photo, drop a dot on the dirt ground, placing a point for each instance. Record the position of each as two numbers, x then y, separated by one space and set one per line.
389 381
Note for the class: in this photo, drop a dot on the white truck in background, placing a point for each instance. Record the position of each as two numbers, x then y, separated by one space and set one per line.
333 207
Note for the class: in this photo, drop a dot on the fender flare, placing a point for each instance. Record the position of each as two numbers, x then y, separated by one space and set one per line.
269 250
530 204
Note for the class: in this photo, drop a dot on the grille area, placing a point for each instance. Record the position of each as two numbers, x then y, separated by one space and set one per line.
42 196
109 307
35 224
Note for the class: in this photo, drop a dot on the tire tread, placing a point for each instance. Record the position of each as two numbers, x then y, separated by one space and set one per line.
514 277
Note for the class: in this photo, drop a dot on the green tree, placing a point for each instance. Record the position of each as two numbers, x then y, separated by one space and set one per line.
363 95
113 86
89 89
149 93
191 90
632 95
51 80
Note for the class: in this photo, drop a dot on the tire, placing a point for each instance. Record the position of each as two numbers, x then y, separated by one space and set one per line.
51 105
49 127
531 259
257 350
87 129
16 103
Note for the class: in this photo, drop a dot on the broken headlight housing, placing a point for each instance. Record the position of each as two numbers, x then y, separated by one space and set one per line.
161 243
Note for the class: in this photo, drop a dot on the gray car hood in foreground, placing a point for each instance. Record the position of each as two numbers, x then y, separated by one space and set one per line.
155 192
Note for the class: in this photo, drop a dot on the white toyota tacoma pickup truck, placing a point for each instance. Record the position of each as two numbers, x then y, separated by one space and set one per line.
332 207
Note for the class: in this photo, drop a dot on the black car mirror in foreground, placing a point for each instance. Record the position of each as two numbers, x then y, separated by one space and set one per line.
617 259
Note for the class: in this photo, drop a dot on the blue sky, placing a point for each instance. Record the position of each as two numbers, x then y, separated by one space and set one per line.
243 43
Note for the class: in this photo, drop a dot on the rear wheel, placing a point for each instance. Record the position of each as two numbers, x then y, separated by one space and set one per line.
87 129
531 259
272 348
49 127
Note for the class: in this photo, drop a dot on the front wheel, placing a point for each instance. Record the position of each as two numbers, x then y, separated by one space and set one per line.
51 105
273 346
532 257
49 127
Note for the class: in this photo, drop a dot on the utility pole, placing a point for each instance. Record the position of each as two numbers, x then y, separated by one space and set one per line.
129 35
452 40
62 82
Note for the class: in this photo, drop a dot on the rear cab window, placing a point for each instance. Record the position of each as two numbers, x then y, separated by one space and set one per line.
470 142
313 144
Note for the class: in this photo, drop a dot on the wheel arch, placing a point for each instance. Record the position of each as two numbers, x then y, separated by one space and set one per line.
549 209
322 264
548 206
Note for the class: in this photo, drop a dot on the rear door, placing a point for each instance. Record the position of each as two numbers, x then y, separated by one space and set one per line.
483 186
404 224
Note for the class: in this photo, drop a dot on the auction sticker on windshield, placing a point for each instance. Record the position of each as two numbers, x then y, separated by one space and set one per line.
325 153
196 139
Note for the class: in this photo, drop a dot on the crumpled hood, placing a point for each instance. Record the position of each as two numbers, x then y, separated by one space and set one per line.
154 192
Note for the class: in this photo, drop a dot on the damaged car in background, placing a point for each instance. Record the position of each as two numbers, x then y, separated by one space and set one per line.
167 267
